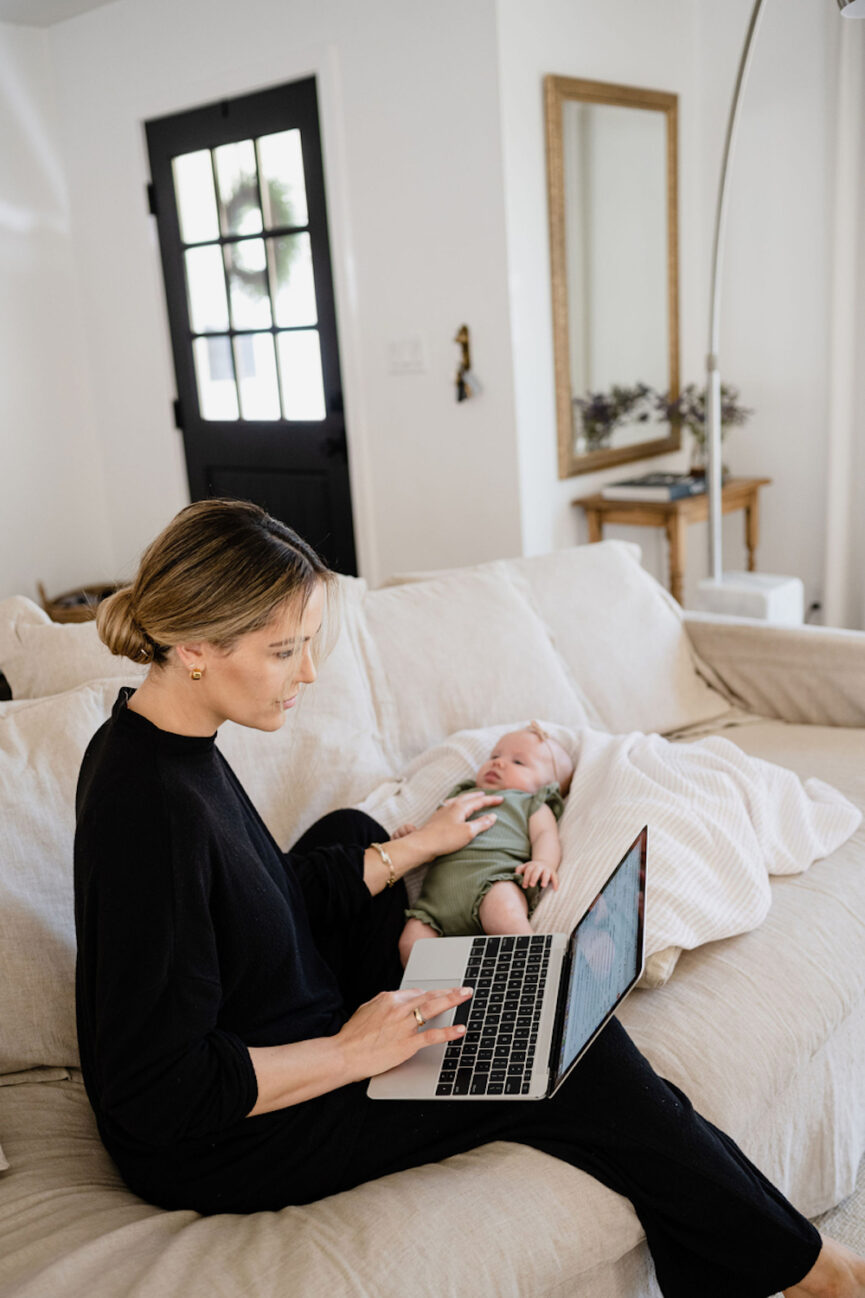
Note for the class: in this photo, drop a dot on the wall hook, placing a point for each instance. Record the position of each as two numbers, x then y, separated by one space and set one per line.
466 383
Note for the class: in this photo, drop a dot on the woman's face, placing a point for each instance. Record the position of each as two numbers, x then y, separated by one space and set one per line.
257 681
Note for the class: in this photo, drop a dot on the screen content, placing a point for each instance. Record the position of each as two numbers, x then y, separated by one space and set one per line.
605 954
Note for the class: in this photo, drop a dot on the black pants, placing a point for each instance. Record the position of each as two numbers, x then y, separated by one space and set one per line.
715 1226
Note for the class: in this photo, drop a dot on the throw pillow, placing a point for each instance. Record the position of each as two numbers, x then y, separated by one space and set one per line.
464 650
618 632
40 657
41 745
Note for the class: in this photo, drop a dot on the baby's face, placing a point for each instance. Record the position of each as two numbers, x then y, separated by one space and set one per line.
519 761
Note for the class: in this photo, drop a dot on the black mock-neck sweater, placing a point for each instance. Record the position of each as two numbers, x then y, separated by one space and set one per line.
194 940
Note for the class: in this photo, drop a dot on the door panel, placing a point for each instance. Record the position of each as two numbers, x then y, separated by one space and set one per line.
238 194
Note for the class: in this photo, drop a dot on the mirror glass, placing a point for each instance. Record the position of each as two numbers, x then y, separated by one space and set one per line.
612 194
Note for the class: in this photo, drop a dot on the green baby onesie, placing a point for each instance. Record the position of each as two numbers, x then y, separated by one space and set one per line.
456 884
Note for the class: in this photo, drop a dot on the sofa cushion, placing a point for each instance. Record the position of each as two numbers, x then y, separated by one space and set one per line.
620 635
40 657
465 650
745 1020
69 1227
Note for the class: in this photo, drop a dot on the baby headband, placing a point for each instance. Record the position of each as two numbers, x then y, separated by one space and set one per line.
535 728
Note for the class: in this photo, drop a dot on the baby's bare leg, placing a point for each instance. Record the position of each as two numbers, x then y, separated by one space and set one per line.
414 930
505 909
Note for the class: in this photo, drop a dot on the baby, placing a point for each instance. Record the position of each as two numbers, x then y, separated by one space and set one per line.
493 884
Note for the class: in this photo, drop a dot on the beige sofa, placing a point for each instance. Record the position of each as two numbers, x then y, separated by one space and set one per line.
766 1030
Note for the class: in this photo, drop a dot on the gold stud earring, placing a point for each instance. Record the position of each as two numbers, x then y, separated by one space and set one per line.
195 674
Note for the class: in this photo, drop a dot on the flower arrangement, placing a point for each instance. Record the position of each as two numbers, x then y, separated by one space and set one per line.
602 412
689 409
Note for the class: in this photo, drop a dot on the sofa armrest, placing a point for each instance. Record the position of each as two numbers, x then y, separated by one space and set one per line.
810 675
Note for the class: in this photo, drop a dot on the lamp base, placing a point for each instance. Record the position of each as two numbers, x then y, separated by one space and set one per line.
753 594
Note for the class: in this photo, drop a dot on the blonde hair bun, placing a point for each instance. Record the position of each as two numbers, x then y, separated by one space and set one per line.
119 631
220 569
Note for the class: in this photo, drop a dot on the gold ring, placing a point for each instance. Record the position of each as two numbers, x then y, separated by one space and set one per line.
421 1021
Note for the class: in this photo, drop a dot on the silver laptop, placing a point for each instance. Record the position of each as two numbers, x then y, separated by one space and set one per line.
538 1003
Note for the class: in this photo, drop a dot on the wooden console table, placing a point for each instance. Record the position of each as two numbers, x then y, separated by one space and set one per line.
675 515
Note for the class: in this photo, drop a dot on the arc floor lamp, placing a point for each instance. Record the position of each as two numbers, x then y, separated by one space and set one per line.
743 593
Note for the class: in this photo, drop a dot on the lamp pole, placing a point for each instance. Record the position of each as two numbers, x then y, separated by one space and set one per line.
713 373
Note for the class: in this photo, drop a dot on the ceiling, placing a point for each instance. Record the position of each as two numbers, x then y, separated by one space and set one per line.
44 13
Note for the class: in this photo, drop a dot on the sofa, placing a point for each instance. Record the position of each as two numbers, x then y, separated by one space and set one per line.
765 1030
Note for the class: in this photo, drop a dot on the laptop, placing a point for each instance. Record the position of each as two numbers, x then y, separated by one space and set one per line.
539 1001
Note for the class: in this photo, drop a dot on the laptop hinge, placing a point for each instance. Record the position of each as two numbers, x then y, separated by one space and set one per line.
559 1022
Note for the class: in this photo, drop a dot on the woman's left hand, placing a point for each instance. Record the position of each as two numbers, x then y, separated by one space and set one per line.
450 828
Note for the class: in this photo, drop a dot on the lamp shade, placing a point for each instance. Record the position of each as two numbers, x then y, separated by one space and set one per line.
852 8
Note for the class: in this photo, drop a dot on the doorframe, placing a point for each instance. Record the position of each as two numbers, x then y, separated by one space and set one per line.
320 60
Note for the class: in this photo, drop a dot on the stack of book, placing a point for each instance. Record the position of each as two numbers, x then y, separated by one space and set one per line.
656 486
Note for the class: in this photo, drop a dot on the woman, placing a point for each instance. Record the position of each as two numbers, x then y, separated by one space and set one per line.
230 997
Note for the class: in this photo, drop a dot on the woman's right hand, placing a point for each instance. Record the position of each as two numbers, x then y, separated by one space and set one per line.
449 828
385 1031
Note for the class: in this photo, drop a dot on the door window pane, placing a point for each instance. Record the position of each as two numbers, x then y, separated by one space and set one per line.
283 188
214 373
205 281
256 376
293 283
196 196
300 374
238 188
247 284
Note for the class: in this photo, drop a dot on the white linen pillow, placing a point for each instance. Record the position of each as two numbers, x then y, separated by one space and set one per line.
42 742
40 657
620 635
464 650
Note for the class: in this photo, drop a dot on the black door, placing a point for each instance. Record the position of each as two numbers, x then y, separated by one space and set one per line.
238 194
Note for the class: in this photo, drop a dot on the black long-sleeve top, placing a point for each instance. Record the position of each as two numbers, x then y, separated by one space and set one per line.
194 937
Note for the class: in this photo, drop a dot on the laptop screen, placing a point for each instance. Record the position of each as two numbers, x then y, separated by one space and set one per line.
605 955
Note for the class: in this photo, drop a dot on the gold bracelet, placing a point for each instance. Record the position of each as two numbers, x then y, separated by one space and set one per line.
391 878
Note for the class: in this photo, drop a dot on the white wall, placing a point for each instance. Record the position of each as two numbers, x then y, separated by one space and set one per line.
52 507
409 99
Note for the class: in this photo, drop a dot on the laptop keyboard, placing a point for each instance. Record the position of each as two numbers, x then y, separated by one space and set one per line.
496 1055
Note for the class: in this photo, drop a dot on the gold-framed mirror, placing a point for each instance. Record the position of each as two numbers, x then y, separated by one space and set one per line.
612 185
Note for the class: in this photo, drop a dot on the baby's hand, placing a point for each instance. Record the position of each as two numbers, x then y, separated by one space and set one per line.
537 875
402 831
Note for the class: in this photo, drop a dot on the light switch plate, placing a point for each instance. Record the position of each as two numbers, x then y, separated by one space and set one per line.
407 355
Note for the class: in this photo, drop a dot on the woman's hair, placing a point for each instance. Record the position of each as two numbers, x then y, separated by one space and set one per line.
220 569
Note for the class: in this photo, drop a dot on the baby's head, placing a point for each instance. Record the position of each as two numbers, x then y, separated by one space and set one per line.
526 759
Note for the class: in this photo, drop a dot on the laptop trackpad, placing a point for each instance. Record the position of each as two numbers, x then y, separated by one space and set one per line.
441 959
